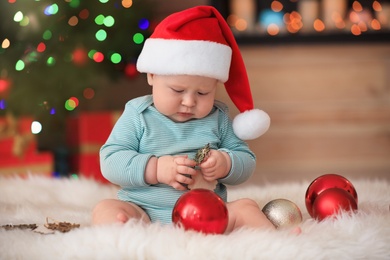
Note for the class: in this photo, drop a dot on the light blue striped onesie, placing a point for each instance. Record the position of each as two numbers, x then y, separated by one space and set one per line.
142 132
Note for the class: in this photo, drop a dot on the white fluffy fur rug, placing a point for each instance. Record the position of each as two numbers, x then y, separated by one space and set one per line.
364 235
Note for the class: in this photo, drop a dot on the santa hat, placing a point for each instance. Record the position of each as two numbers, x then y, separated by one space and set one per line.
198 41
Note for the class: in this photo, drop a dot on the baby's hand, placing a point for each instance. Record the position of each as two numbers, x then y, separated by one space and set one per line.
216 166
175 171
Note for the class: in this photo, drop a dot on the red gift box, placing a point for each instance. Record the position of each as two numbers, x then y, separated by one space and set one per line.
87 165
41 163
13 130
18 149
86 133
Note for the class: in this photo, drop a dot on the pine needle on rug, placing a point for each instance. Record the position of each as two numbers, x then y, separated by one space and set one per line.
364 235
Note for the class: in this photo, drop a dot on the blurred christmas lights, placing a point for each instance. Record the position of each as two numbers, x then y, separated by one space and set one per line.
138 38
127 3
18 17
101 35
143 24
322 16
116 58
5 44
19 65
71 103
36 127
41 47
47 35
88 93
3 104
109 21
51 9
48 29
98 56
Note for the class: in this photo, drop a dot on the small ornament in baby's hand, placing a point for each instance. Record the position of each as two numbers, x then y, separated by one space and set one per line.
202 154
199 181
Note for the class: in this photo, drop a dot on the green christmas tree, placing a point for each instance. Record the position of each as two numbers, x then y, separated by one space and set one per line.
53 53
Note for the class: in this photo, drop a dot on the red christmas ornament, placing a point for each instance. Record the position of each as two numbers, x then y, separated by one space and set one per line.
201 210
331 201
324 183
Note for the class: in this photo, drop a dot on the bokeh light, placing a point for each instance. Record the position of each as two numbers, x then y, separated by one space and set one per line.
88 93
268 17
138 38
131 70
356 6
5 44
109 21
51 61
116 58
127 3
47 35
79 56
91 53
98 56
71 103
74 3
143 24
36 127
84 14
293 21
19 65
375 24
241 24
319 25
18 17
276 6
3 104
99 20
51 9
377 6
25 21
75 100
41 47
32 56
4 85
338 20
273 29
73 21
101 35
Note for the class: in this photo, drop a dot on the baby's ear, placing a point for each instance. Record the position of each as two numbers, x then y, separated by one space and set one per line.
150 79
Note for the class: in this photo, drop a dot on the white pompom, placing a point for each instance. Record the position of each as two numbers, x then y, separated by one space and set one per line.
251 124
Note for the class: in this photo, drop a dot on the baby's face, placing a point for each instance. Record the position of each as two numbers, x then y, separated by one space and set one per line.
183 97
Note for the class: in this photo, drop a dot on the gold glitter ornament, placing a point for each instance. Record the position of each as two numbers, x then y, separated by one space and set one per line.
202 154
282 213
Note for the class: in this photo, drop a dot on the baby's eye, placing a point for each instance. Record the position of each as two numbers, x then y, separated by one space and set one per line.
177 90
202 93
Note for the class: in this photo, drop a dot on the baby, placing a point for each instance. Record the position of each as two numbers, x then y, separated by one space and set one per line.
150 152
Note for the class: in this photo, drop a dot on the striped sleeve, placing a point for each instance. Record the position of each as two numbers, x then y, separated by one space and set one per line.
242 158
120 161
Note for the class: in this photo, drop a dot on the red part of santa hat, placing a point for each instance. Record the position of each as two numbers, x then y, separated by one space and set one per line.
198 41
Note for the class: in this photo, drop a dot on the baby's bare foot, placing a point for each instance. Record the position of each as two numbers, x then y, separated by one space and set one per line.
296 231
